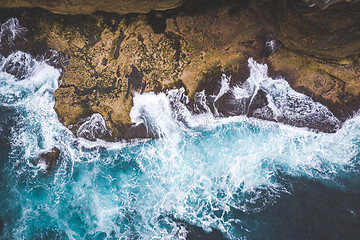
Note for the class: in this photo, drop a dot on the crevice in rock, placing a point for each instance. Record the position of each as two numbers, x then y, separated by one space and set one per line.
135 81
117 46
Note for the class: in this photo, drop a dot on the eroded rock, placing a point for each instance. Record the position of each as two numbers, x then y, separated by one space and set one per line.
113 56
272 99
333 33
140 60
331 82
92 128
90 6
50 159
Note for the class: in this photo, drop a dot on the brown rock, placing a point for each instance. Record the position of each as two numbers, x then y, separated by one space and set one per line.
114 56
186 54
325 3
50 158
90 6
333 83
332 33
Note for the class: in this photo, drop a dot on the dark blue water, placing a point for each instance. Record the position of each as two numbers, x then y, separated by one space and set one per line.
204 177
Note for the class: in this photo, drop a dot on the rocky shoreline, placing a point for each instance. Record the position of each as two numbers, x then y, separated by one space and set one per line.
107 57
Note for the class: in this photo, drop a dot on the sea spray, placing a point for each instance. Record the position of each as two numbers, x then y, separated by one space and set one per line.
203 169
276 101
11 30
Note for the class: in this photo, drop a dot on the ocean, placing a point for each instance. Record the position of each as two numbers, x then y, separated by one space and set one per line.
203 177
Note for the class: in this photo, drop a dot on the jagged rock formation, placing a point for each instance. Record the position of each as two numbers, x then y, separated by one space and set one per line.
90 6
112 56
50 159
321 54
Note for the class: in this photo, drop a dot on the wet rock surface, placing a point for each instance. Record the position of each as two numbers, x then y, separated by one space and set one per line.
92 128
333 83
108 57
325 3
263 97
50 159
192 232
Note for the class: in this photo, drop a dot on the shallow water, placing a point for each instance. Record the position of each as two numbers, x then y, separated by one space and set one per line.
245 177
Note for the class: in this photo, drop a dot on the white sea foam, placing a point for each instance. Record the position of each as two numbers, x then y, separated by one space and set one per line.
198 170
237 153
225 86
93 128
99 143
270 45
285 103
10 30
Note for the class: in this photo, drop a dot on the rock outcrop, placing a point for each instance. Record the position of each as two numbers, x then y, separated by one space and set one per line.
111 56
335 83
91 6
50 159
321 54
333 33
122 6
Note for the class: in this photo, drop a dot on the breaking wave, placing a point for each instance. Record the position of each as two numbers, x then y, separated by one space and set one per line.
201 170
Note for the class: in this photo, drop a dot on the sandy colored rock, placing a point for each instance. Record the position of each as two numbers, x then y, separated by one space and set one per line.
90 6
334 83
113 56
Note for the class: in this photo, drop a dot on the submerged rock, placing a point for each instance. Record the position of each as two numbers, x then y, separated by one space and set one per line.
18 64
192 232
50 159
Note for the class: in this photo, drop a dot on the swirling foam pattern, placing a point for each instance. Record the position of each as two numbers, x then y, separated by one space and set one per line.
225 174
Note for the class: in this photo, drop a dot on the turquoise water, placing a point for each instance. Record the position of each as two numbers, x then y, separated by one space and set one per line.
244 177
